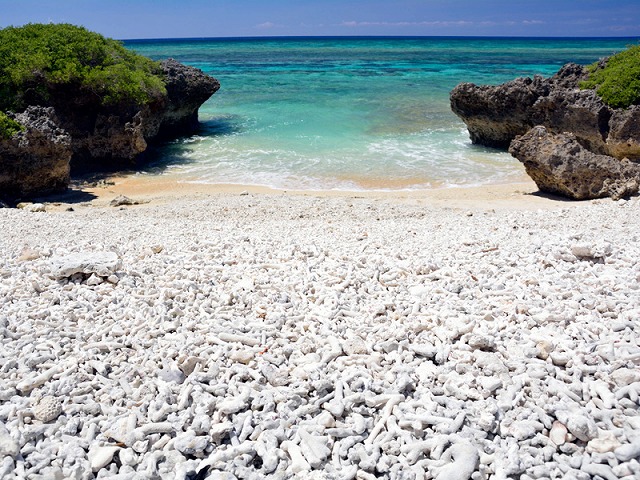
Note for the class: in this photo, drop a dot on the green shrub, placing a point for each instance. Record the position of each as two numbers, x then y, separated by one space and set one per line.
618 82
8 126
37 60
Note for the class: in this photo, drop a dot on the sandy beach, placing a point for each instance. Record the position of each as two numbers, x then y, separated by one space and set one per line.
241 333
167 188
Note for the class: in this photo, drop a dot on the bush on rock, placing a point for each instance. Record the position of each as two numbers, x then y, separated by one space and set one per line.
617 80
8 126
36 60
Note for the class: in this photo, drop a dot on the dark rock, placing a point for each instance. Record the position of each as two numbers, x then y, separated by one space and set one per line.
122 200
36 160
569 76
77 132
581 112
108 138
495 115
589 162
187 89
559 164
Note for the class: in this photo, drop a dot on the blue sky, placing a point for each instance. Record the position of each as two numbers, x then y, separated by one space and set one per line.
125 19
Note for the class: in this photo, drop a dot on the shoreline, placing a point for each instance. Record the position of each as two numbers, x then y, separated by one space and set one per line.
145 190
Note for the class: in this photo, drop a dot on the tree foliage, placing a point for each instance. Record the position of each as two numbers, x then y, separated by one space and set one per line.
618 80
39 60
8 126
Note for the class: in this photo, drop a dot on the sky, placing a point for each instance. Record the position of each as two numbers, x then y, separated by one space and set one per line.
133 19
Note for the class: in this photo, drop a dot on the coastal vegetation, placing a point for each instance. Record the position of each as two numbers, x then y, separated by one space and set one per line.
84 103
8 126
618 80
40 61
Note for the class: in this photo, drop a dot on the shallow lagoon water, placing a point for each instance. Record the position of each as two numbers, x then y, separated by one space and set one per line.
351 113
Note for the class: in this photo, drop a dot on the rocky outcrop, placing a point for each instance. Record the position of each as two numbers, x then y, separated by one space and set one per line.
496 115
187 89
108 138
624 133
559 164
608 138
77 132
36 160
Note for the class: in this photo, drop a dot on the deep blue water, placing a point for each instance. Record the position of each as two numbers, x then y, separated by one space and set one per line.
351 113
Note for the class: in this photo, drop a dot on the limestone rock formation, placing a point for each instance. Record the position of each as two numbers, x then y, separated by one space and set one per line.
559 164
495 115
624 133
187 89
77 133
588 144
108 138
36 160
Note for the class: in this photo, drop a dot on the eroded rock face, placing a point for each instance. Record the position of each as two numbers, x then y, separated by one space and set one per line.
580 112
559 164
495 115
76 132
570 142
187 89
107 138
624 133
36 160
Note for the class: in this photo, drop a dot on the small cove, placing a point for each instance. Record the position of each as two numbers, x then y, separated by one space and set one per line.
350 113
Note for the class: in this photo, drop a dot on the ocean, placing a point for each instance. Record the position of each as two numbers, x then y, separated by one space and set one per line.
350 113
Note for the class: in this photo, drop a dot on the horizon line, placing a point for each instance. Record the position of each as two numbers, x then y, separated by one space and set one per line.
267 37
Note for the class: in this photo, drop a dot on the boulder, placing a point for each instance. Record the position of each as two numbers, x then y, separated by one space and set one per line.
35 160
594 160
559 164
581 112
495 115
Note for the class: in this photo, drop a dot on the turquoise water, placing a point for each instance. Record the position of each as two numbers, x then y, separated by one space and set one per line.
351 113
